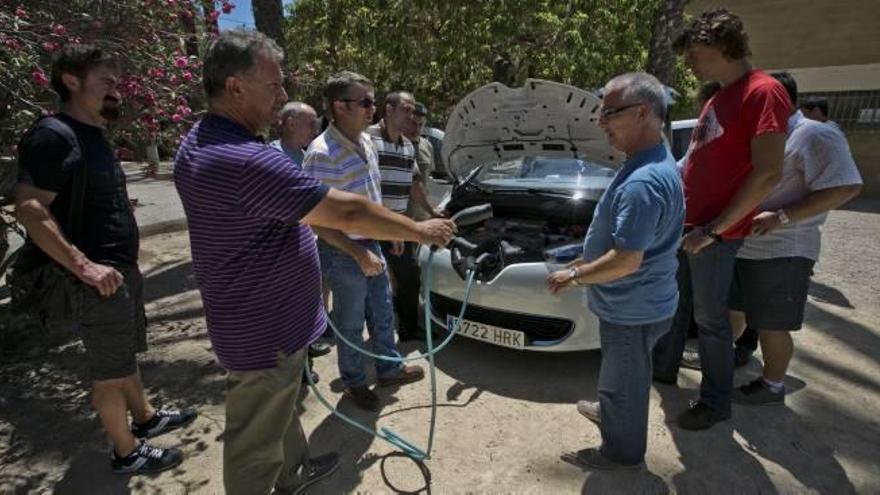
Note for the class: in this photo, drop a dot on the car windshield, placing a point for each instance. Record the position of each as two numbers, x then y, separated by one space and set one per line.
543 168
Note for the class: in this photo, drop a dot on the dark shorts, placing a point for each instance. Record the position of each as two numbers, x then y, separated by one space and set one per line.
113 328
772 293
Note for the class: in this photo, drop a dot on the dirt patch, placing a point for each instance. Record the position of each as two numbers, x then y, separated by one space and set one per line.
505 418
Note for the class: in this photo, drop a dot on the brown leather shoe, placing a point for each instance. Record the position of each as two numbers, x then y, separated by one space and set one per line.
363 397
408 374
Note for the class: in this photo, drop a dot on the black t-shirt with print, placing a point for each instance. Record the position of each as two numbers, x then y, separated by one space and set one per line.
108 233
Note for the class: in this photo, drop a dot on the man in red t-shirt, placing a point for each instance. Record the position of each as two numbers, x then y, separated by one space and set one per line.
735 160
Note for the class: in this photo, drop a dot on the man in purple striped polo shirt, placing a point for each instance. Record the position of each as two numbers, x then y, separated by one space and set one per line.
256 263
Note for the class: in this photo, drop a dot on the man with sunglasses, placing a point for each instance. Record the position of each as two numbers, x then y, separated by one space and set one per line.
353 266
629 264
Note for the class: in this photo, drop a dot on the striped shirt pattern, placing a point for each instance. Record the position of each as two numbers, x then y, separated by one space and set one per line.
256 266
397 163
339 163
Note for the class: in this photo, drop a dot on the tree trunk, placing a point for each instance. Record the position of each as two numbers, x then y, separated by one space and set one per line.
269 18
661 58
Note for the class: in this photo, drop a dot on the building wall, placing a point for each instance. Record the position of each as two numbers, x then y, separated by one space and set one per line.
828 46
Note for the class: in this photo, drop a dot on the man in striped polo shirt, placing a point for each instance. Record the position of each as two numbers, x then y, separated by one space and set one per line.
255 261
402 183
344 157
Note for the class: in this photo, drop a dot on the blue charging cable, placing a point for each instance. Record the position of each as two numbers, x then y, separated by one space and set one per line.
384 433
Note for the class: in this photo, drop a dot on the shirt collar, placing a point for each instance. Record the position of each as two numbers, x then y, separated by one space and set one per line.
645 155
339 137
230 125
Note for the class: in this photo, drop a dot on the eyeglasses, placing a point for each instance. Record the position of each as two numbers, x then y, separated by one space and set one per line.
608 112
363 102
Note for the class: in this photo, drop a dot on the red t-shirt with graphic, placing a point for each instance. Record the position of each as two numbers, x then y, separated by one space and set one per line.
720 153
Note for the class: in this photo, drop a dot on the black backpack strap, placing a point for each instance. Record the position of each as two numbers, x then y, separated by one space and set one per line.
78 192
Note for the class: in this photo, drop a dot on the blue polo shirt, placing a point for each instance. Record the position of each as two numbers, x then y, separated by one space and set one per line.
255 263
642 210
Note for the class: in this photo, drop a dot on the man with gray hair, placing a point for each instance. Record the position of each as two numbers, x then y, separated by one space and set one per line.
256 263
297 126
629 265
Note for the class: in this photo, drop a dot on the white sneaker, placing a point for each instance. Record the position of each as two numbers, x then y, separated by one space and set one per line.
589 410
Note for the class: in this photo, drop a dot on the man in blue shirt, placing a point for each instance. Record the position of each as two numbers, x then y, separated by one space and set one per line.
297 127
629 266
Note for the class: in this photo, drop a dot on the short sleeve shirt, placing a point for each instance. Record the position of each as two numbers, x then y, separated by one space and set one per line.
255 263
817 157
108 230
397 164
642 210
720 154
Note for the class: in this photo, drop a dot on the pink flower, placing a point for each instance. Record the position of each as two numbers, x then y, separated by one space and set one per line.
156 73
12 44
40 78
214 16
183 110
176 117
227 7
187 76
20 12
181 62
171 3
49 46
59 30
97 24
172 79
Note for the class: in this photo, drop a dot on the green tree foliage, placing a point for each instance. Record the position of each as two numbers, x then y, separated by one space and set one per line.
443 50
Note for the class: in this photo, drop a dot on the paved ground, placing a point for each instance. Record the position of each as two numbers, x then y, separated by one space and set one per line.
505 418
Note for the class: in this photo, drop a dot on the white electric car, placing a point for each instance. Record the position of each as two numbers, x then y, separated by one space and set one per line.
537 155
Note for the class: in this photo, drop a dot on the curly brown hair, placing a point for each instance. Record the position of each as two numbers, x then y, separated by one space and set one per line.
719 28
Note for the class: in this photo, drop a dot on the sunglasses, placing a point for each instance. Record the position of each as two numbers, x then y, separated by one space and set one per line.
363 102
607 112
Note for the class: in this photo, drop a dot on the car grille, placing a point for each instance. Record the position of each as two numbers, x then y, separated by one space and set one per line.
535 327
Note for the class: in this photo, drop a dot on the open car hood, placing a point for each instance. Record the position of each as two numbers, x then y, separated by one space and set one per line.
541 118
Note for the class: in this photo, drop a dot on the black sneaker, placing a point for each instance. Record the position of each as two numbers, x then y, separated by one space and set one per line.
164 421
318 468
146 459
318 349
700 416
741 356
757 393
315 378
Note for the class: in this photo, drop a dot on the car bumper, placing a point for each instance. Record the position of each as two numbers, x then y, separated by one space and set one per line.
516 299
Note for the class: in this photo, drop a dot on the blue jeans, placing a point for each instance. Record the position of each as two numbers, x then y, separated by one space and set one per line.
625 386
358 299
711 276
669 349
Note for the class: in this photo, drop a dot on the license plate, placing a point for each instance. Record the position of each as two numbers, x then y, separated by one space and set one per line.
487 333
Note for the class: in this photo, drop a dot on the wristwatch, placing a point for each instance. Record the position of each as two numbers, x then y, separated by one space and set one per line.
709 231
573 275
783 217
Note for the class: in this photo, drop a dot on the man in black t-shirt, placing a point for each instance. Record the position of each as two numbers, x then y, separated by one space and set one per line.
101 252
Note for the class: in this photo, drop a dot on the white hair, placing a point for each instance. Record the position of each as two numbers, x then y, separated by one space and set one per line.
640 87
